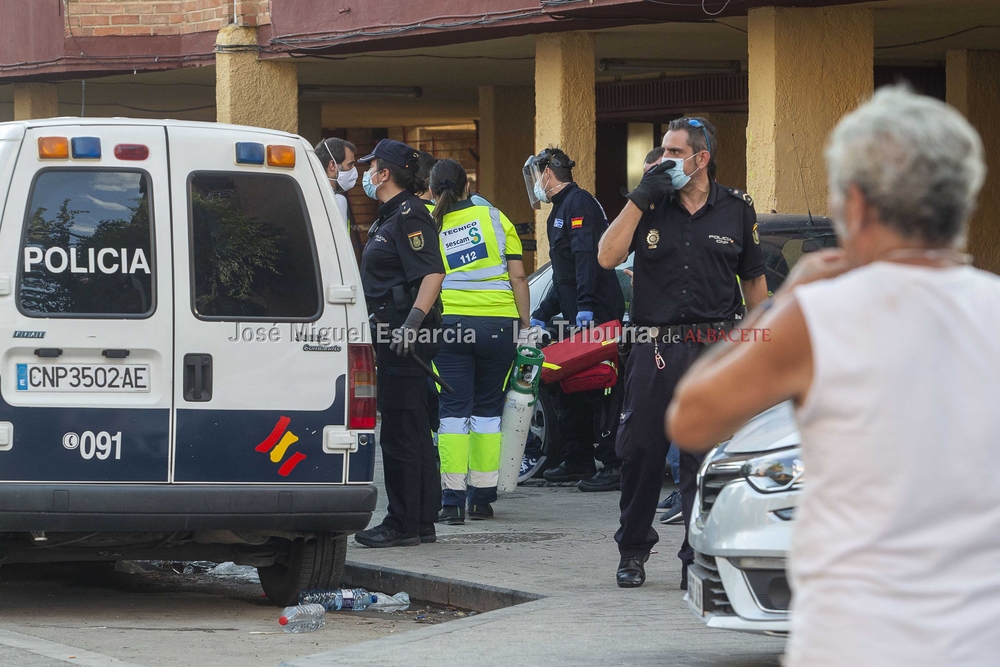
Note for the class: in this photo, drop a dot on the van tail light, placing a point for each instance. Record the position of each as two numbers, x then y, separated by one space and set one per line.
361 394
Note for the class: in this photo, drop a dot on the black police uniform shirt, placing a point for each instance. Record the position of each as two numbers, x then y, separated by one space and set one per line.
574 229
686 265
402 247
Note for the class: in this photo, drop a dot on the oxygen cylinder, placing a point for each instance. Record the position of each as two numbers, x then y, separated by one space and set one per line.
517 410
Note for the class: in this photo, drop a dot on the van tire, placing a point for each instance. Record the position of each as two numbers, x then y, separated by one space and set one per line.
317 563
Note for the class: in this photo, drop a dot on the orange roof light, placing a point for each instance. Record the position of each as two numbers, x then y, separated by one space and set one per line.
53 148
281 156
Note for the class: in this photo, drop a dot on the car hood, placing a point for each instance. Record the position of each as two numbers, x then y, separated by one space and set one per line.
772 429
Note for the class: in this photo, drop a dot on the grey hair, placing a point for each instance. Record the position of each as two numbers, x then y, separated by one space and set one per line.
915 159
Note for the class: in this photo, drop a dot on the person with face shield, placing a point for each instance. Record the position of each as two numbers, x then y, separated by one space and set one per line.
692 237
401 273
584 293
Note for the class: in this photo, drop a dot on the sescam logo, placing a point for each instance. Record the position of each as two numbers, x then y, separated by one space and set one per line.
105 260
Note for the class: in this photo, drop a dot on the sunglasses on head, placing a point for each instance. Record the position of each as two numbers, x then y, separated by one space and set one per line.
694 122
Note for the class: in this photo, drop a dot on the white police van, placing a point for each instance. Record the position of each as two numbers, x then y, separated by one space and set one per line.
187 370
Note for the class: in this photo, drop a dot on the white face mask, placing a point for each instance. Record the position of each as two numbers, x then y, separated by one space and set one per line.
347 178
677 176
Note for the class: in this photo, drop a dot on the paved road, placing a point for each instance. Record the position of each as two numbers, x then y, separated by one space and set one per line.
49 613
556 542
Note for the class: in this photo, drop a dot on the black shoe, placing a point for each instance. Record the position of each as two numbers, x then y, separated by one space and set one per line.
684 577
608 479
631 572
562 473
479 512
383 536
427 534
452 516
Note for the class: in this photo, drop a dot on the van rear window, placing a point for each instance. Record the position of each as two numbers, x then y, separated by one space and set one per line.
87 246
252 248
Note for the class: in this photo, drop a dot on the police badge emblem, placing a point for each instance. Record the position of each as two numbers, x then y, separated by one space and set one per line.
756 236
652 238
416 240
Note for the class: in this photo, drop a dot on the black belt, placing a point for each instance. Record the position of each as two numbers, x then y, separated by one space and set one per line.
673 333
375 305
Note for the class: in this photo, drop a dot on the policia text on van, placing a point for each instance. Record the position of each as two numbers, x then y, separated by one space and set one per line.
134 423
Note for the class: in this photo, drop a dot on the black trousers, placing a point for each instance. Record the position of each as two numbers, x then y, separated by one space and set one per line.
586 417
642 444
409 458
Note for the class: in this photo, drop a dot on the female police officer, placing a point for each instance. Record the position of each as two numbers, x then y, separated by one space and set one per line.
401 271
485 292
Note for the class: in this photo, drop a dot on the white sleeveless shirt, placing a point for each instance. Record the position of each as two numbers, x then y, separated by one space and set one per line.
895 557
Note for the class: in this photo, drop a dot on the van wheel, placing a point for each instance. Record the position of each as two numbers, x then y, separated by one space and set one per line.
318 563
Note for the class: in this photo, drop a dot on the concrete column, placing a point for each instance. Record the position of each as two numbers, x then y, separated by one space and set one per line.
730 151
565 109
807 67
311 121
35 100
249 91
506 139
973 79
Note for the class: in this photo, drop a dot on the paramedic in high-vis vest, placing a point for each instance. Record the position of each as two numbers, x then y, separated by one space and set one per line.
485 295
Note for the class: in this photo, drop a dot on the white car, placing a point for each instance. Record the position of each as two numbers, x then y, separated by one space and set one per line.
747 493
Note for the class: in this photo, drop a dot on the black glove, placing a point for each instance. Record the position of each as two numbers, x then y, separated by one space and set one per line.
404 339
654 186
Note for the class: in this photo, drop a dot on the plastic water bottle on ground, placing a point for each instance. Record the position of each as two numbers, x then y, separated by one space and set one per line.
336 599
391 603
302 618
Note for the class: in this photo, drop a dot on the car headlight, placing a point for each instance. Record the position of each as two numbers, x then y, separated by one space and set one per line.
776 471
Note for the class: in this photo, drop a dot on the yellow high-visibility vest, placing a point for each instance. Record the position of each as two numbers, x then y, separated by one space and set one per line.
475 242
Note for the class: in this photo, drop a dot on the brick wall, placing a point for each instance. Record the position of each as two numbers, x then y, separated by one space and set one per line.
100 18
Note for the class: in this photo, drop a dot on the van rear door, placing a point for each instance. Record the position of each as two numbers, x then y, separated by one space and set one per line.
85 379
261 356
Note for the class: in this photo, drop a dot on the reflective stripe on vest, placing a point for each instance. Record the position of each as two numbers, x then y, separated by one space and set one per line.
474 254
476 282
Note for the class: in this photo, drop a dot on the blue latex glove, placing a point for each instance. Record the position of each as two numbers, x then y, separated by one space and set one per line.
536 323
584 317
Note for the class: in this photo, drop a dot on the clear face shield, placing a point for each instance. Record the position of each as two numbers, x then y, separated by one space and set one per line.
533 170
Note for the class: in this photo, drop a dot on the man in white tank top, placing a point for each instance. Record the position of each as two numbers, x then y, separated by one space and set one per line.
890 348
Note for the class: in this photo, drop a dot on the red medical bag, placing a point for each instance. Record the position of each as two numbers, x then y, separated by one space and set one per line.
584 349
602 376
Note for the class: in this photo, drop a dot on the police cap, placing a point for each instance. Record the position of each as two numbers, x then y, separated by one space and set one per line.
394 152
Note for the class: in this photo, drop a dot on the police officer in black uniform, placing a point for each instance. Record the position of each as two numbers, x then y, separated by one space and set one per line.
584 293
401 272
692 237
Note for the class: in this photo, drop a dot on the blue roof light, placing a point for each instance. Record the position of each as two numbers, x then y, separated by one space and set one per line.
86 148
249 153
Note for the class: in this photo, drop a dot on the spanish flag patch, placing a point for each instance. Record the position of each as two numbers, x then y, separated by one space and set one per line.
576 223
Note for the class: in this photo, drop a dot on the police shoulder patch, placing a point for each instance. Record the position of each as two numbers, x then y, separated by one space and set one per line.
739 194
416 240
